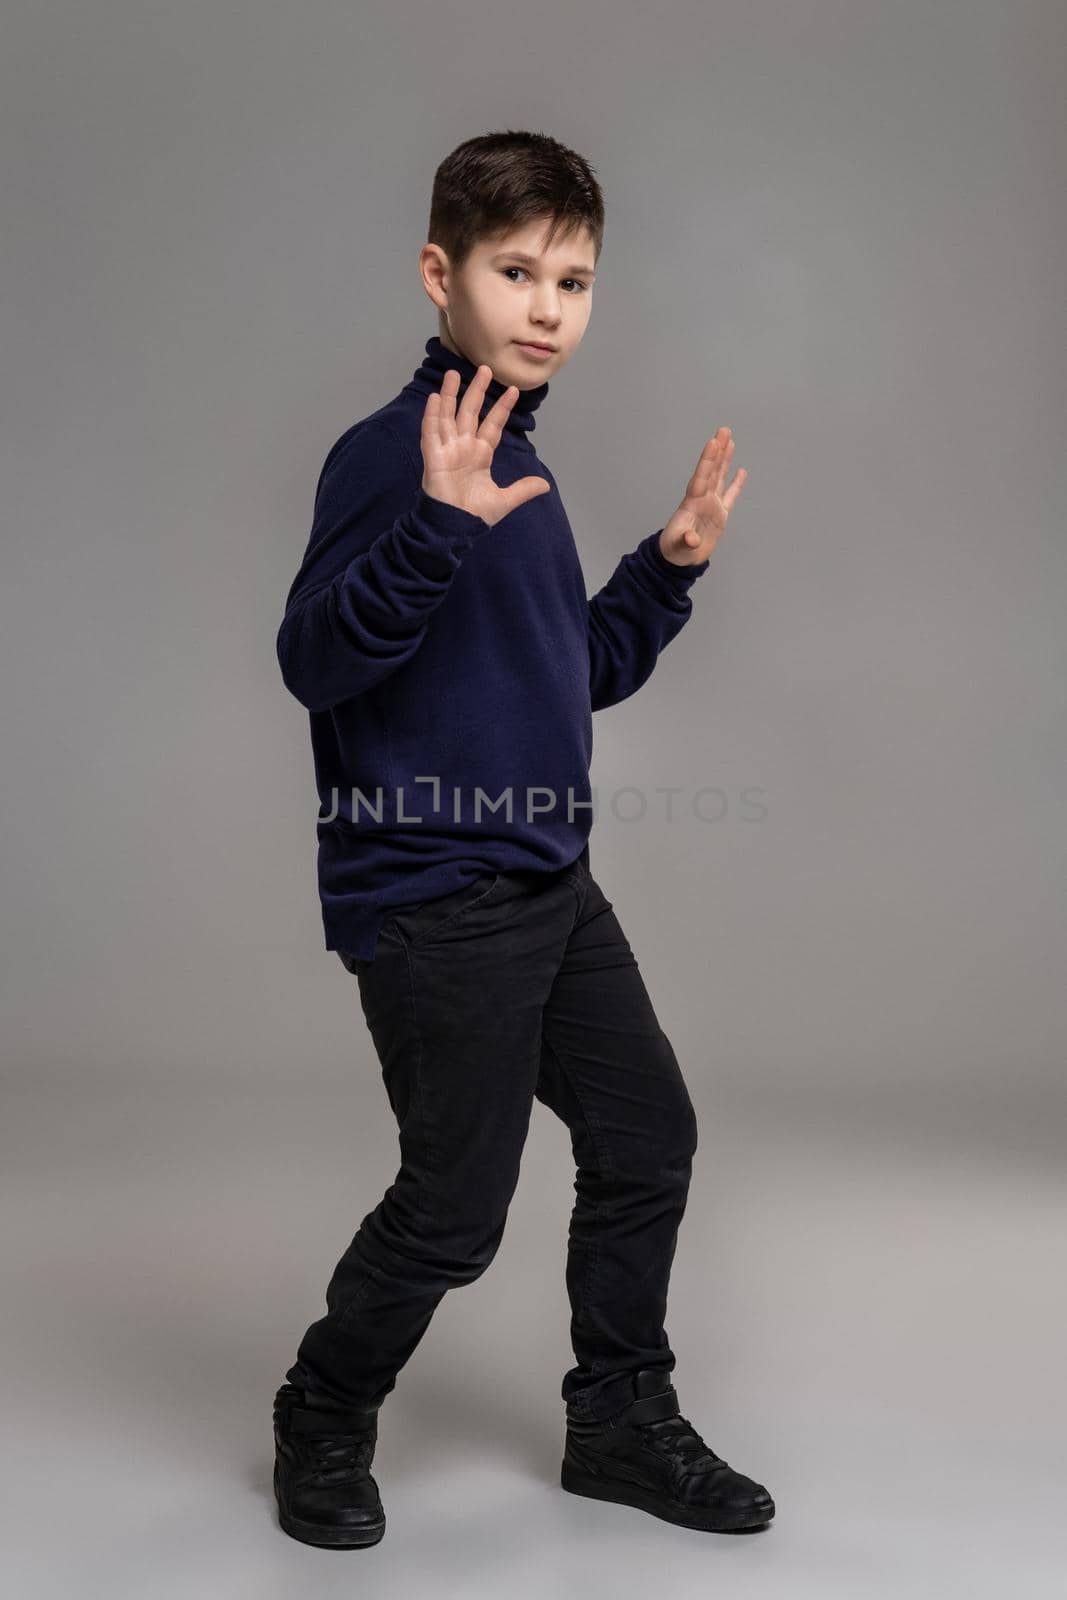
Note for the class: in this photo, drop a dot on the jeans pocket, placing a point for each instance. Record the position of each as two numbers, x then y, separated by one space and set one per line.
416 924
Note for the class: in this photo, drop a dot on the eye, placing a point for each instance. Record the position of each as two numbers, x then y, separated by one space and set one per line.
579 287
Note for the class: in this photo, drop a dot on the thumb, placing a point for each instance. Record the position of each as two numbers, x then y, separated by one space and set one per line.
517 494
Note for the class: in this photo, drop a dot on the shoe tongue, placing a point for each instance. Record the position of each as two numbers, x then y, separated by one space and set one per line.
651 1380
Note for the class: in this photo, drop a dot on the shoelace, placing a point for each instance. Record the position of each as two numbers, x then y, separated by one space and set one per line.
336 1460
677 1438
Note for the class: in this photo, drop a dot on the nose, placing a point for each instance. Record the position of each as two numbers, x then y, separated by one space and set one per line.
545 310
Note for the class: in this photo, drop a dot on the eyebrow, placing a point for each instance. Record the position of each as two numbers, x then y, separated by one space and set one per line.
531 261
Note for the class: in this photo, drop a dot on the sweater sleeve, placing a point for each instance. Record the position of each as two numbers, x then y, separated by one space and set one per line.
637 613
380 559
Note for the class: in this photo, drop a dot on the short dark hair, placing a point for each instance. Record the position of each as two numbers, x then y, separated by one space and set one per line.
498 181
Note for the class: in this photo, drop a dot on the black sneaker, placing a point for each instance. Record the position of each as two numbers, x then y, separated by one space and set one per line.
647 1455
322 1479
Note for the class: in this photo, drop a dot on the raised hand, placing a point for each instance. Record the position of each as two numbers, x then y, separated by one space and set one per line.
696 527
456 452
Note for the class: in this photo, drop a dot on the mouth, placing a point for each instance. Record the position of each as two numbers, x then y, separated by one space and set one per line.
535 347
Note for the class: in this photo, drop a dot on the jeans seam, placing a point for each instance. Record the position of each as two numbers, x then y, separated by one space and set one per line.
580 891
603 1155
345 1312
353 1303
430 1164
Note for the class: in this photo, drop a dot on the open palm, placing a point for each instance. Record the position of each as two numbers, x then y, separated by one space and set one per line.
696 527
457 451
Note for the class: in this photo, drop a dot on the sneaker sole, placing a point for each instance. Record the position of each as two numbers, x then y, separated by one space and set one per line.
325 1538
631 1494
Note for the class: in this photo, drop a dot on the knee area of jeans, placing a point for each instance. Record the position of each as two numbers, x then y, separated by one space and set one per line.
677 1142
659 1166
469 1250
689 1133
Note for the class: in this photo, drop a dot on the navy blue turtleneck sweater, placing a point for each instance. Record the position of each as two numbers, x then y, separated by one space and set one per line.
451 668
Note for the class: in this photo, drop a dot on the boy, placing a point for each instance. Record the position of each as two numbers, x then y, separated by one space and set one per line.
439 634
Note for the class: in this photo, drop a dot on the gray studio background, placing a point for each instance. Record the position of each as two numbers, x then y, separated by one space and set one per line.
837 229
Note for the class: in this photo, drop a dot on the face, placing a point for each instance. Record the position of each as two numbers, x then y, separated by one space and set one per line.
511 291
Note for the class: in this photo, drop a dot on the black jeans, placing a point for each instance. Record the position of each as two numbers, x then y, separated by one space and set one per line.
520 986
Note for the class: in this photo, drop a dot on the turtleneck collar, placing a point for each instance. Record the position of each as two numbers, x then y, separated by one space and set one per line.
429 376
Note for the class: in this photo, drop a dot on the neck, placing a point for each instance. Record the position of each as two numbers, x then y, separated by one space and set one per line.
440 357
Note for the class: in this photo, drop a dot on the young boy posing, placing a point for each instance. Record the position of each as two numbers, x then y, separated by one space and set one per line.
439 633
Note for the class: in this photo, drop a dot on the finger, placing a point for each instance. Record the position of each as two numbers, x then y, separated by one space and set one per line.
725 457
446 420
493 425
517 494
740 477
431 426
713 465
470 409
705 467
